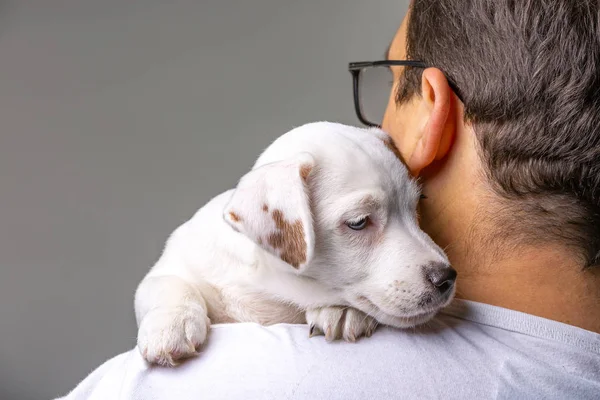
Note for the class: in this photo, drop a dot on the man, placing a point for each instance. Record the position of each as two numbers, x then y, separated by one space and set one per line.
512 174
503 129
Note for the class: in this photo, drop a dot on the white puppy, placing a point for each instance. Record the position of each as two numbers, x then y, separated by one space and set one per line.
322 230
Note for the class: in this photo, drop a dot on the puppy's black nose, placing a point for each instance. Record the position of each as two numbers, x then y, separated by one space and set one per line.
441 275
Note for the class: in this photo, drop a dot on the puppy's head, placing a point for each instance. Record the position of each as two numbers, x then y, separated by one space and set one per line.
337 205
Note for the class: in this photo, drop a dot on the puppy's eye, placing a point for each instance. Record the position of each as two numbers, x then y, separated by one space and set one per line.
359 224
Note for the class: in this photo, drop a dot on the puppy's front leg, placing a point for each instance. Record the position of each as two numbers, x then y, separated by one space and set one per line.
172 319
340 323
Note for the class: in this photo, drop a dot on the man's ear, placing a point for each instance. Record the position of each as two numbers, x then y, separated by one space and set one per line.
438 121
271 206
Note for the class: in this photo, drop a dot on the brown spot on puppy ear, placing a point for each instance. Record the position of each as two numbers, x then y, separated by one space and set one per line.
265 208
305 170
235 217
289 239
389 143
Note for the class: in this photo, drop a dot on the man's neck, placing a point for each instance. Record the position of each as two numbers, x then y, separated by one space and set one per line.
541 282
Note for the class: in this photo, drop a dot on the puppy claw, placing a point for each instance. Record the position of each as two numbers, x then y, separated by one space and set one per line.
314 331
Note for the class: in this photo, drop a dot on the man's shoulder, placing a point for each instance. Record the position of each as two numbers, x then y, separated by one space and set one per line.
453 356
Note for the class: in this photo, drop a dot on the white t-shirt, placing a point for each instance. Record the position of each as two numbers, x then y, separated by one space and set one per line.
469 351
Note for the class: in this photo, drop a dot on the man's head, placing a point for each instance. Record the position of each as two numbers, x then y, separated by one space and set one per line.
514 160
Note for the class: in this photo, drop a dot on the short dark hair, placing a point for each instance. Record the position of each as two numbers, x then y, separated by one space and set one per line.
528 72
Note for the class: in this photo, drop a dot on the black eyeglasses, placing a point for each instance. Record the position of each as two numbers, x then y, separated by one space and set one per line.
372 82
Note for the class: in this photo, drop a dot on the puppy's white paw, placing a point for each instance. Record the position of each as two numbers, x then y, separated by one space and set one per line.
169 335
340 322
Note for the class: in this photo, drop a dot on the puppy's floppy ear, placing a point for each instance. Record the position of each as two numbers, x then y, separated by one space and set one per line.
271 207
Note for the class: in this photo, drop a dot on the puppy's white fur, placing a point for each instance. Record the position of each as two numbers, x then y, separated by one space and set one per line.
278 248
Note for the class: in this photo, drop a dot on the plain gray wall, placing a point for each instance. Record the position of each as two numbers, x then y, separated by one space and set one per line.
118 119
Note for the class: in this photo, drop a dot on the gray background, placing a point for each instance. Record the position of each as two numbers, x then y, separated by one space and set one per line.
118 119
